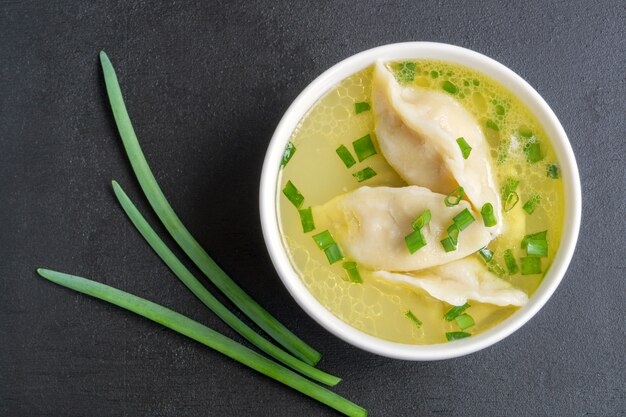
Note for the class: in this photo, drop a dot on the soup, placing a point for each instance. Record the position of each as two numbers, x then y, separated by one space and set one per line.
420 202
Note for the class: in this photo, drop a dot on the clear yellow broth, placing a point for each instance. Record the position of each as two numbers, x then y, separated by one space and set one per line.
377 307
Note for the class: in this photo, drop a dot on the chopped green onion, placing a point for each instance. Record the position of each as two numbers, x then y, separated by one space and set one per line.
434 74
364 174
290 149
361 107
422 220
449 87
196 287
457 194
500 110
486 253
205 335
553 171
293 195
530 265
465 148
456 311
537 247
453 233
406 71
333 253
409 314
511 201
346 156
179 232
353 272
306 219
510 186
509 260
489 218
464 321
492 125
533 152
536 236
463 219
364 148
532 203
324 240
449 244
495 268
457 335
525 132
415 240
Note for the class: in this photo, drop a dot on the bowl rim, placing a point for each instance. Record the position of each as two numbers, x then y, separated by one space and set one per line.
419 50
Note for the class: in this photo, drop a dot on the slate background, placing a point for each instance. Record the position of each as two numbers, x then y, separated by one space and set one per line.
206 83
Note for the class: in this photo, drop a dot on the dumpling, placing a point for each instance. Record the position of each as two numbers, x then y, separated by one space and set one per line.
370 225
460 281
417 131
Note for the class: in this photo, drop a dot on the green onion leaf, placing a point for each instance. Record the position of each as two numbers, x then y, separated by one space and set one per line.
333 253
463 219
449 87
290 149
510 186
179 232
500 110
511 201
456 311
453 233
346 156
409 314
406 71
364 148
465 148
535 236
456 195
489 218
532 203
456 335
486 253
533 152
306 219
205 335
509 260
553 171
464 321
415 240
525 132
353 272
422 220
364 174
537 247
324 240
492 125
495 268
360 107
530 265
293 195
449 244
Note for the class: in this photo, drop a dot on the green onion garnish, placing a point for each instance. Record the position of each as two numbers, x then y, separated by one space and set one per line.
495 268
346 156
500 109
463 219
182 236
525 132
306 219
448 244
449 87
456 335
204 335
492 125
465 148
409 314
422 220
553 171
489 218
510 202
532 203
453 233
509 260
360 107
415 240
290 149
293 195
353 272
364 148
406 71
537 247
364 174
333 253
510 186
535 236
456 311
207 298
486 253
530 265
324 240
457 194
533 152
464 321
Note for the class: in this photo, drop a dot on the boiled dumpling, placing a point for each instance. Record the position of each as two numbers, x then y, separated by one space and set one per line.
370 225
460 281
417 131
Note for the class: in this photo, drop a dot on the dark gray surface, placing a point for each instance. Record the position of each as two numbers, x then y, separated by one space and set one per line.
206 84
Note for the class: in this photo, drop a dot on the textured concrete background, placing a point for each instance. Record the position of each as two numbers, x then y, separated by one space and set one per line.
206 83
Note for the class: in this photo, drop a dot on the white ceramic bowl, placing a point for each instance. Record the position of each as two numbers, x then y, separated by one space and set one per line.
419 50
